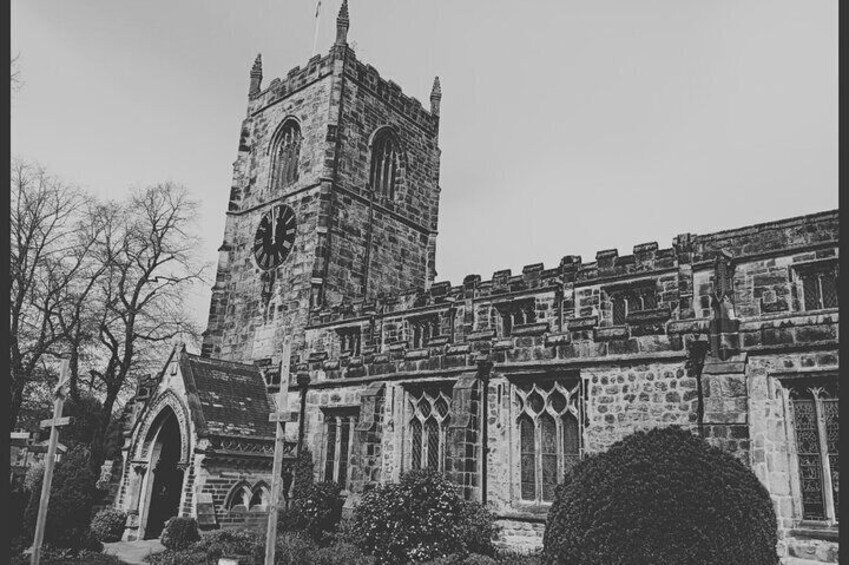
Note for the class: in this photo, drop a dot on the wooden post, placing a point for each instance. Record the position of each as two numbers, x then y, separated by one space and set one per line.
50 459
280 417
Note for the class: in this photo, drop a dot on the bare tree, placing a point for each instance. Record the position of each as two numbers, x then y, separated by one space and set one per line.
43 263
148 249
103 284
16 83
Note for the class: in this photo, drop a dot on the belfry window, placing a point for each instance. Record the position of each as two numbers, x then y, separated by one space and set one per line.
549 436
429 408
385 163
287 150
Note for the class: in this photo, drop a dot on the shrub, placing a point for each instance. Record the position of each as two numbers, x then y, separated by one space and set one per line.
422 517
63 556
72 496
221 543
316 513
303 474
179 533
293 548
661 497
341 553
108 524
320 510
478 528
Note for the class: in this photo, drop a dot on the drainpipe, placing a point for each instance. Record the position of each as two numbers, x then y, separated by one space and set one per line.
696 353
484 373
303 380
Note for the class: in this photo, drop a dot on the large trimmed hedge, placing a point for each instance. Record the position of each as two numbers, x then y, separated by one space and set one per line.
661 497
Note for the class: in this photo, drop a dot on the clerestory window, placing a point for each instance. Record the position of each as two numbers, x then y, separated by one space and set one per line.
422 330
627 301
512 314
819 286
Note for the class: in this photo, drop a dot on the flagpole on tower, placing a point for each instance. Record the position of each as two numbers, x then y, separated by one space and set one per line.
317 18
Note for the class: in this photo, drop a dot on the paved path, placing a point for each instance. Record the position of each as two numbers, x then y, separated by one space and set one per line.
133 552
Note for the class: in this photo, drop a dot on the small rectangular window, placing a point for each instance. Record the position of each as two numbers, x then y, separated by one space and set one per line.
514 314
819 289
349 341
338 445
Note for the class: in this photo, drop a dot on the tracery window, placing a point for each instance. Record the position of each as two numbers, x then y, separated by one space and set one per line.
429 409
549 425
339 438
516 313
287 150
816 430
385 163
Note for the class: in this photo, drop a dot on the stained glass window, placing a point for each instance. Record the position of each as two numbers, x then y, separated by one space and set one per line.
549 436
429 420
815 423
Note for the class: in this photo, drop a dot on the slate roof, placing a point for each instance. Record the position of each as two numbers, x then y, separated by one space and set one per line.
227 398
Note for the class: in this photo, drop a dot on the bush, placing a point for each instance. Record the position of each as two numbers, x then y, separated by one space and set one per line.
422 517
72 496
64 556
229 543
292 549
341 553
303 474
179 533
661 497
108 524
320 510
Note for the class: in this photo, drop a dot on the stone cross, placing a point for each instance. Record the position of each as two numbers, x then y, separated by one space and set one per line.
54 424
281 416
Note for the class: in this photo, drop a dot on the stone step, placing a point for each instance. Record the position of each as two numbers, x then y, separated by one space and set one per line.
799 561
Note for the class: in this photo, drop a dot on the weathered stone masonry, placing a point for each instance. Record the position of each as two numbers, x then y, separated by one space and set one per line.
502 384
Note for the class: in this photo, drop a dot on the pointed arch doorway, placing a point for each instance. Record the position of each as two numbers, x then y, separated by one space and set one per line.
165 484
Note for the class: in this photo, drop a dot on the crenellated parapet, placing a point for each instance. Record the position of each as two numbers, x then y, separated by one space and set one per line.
649 302
389 92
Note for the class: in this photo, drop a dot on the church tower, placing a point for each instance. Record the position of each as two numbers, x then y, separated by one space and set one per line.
335 196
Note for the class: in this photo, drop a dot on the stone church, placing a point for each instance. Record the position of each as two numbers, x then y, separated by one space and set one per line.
501 383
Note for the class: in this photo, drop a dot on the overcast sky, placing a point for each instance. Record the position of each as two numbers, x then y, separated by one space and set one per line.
567 126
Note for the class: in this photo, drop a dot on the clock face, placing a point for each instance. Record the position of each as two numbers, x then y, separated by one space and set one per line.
274 236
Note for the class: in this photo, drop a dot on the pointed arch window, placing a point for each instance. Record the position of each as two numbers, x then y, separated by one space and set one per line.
287 151
385 163
428 427
549 436
239 498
